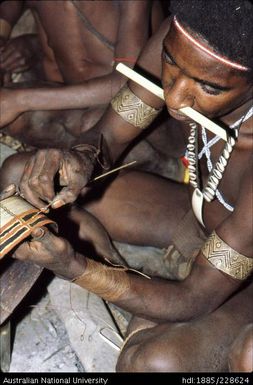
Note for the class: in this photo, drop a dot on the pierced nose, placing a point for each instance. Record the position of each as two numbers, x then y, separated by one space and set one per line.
189 101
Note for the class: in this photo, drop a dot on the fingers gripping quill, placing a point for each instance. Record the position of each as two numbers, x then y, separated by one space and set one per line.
75 171
37 182
19 219
60 198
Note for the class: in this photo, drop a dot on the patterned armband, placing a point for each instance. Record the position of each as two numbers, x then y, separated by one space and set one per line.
5 28
132 109
226 259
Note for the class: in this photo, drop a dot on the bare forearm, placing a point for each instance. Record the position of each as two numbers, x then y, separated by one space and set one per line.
92 93
117 133
160 300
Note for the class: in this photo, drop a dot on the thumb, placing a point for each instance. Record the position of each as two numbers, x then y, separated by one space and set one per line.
8 191
43 236
38 233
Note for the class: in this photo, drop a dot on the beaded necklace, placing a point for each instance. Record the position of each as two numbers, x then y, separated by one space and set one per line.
215 172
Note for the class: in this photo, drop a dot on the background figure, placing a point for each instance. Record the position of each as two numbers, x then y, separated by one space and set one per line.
79 47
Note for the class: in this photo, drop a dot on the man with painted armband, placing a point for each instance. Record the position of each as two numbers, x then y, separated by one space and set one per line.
192 323
78 44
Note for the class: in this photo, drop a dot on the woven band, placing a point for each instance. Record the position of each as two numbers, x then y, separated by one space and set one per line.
226 259
5 29
132 109
110 283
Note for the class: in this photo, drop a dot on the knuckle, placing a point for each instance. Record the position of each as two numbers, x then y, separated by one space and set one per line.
19 255
34 181
55 153
70 196
44 178
61 245
40 153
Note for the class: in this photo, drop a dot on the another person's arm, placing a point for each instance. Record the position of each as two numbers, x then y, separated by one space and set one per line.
10 11
18 53
132 36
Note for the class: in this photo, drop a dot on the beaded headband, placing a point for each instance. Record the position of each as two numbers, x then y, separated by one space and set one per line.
211 53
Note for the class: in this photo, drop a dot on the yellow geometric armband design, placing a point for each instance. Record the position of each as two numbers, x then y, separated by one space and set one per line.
226 259
132 109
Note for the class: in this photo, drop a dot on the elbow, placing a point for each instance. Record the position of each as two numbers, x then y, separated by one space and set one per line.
195 303
195 307
203 302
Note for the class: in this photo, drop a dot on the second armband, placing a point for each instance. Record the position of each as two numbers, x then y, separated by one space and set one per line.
132 109
226 259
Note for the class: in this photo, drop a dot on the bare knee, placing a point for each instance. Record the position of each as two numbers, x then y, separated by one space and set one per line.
241 352
12 169
151 356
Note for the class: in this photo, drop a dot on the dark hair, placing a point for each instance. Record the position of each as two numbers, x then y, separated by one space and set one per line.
227 26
